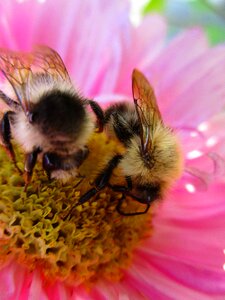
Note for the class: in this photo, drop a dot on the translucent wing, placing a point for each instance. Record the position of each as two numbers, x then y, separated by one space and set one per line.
18 68
49 61
146 107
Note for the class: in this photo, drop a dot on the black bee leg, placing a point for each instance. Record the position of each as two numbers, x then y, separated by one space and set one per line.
87 196
30 162
81 178
121 212
126 191
50 163
5 134
129 183
99 114
147 201
122 188
102 180
54 162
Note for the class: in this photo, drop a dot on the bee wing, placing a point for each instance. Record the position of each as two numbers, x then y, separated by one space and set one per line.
48 61
15 67
146 107
18 68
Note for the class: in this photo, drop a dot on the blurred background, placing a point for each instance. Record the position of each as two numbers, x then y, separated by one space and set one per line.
180 14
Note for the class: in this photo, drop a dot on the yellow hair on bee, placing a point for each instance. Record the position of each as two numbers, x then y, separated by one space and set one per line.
166 161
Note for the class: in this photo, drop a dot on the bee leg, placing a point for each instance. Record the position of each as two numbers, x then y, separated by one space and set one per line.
125 190
121 212
81 178
50 163
100 182
147 201
99 114
30 161
102 179
5 133
53 162
122 188
87 196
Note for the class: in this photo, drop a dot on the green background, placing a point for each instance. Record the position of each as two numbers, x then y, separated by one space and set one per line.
210 14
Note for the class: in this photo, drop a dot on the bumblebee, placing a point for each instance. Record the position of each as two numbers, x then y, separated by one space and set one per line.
152 159
46 116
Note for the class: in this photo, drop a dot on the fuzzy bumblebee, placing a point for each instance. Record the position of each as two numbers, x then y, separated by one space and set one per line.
152 159
46 116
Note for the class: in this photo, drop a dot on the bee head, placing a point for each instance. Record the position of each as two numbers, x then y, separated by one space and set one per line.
59 113
160 165
149 191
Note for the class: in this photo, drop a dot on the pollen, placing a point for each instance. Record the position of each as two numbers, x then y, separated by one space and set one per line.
40 230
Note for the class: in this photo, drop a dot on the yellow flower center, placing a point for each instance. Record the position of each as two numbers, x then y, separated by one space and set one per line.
93 241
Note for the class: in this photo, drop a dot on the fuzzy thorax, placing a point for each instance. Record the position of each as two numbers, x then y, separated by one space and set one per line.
59 117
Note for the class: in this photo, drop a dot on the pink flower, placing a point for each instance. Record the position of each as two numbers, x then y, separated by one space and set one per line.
185 256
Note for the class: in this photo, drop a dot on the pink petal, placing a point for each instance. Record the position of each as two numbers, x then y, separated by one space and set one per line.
198 219
57 291
157 279
11 285
185 257
189 77
197 89
86 58
215 134
140 47
176 56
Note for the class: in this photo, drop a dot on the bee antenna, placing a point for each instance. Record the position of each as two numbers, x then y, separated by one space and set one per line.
14 89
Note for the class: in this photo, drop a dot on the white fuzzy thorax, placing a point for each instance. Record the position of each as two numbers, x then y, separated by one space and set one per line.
41 84
27 135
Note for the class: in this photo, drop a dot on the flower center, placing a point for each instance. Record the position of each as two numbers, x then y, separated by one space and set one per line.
93 241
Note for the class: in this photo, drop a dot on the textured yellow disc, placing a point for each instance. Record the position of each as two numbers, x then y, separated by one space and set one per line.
39 229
